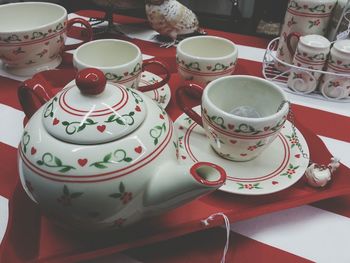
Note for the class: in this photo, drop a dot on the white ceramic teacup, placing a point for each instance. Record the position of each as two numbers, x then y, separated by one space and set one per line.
119 60
32 36
310 54
241 115
337 85
202 59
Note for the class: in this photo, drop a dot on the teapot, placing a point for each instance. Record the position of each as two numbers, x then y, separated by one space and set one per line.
100 156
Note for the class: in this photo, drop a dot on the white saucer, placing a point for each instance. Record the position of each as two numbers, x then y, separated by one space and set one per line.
161 95
266 174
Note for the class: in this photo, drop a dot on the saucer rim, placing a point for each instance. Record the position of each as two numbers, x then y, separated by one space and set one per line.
166 87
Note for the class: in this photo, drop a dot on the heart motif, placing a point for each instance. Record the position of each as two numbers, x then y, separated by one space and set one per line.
126 73
138 149
161 116
33 150
82 162
50 30
101 128
231 126
297 155
266 128
233 141
26 37
183 157
339 62
208 67
137 108
243 154
47 43
162 89
274 182
181 127
55 121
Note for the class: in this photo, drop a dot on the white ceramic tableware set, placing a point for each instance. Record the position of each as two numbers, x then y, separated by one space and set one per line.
32 36
309 58
101 155
320 66
306 17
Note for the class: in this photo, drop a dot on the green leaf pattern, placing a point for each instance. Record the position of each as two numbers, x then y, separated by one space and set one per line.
14 38
117 156
25 141
157 132
49 160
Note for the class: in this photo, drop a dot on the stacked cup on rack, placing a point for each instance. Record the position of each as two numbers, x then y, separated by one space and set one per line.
310 58
337 85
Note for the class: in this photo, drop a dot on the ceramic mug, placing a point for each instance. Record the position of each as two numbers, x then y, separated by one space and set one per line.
305 17
32 36
201 59
241 115
311 53
119 60
337 85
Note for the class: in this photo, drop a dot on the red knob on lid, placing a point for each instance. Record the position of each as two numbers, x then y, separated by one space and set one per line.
91 81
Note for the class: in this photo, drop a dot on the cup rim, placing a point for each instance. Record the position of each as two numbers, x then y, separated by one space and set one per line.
272 117
324 42
39 27
338 46
234 53
135 60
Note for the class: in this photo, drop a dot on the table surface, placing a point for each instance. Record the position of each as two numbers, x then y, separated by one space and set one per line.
317 232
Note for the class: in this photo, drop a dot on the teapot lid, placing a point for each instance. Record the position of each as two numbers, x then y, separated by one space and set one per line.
93 112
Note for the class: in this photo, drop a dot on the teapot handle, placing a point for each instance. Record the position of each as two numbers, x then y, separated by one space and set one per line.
34 93
193 91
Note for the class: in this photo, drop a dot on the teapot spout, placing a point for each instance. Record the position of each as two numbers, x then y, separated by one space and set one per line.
176 185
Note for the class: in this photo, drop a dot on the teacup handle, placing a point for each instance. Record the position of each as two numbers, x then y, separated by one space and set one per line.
87 36
193 91
155 85
289 43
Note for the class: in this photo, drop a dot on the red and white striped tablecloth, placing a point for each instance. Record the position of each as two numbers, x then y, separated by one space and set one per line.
317 232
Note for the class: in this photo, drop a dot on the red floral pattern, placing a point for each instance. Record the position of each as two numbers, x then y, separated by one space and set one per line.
124 196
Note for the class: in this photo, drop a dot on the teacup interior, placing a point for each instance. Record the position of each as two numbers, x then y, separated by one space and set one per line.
207 47
28 16
260 98
107 53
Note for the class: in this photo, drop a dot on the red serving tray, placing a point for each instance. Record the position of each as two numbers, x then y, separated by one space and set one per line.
31 237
